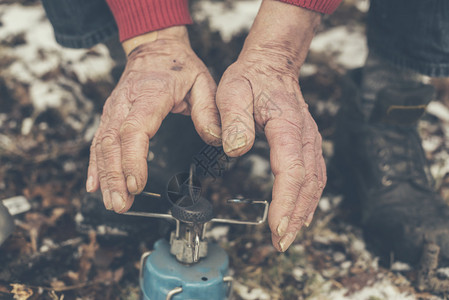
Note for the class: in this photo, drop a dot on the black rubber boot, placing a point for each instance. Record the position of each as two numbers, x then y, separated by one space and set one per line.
384 168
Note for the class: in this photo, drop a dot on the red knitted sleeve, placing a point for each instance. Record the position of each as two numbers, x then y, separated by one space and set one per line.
136 17
322 6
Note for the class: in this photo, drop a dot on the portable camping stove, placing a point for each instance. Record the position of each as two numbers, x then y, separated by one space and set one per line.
188 266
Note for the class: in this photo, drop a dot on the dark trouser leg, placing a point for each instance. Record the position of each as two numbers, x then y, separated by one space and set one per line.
408 41
380 149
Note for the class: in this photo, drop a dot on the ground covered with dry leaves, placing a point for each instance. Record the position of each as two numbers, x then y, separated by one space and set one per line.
67 246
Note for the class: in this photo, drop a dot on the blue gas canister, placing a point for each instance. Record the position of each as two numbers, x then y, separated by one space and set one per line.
163 277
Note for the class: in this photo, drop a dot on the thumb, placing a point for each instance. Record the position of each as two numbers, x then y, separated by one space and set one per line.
235 104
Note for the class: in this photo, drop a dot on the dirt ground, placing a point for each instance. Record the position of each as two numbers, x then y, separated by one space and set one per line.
67 246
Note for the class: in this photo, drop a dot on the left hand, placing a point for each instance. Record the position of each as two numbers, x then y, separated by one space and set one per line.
261 90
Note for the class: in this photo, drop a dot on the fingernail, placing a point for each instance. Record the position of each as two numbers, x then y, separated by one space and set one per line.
131 183
214 132
90 184
287 240
117 202
309 219
107 200
235 142
282 227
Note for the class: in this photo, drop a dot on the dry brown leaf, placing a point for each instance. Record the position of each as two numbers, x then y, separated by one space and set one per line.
4 289
118 274
20 291
57 284
87 254
54 296
73 276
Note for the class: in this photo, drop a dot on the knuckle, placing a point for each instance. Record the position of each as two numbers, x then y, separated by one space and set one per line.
109 139
97 147
311 179
297 219
324 181
92 148
113 176
130 126
152 84
266 109
296 169
102 176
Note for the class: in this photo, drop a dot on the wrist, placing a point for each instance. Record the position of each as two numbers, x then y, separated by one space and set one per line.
171 33
282 33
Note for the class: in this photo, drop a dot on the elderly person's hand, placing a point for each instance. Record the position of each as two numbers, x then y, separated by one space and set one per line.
261 90
162 75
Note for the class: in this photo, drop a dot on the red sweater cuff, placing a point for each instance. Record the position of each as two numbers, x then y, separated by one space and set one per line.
322 6
136 17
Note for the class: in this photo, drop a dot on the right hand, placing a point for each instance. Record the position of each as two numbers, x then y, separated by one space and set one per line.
161 76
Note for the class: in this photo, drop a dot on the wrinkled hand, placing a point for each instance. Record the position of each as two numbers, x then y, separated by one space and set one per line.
160 77
261 90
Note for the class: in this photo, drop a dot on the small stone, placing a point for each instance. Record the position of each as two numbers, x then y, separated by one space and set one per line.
324 204
339 257
79 218
400 266
298 273
443 272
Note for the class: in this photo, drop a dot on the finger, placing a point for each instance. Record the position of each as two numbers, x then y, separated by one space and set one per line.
92 183
204 110
287 163
141 124
235 104
110 148
310 190
102 172
322 178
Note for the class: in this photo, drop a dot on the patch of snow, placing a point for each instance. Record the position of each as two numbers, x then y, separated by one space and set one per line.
345 45
298 248
69 166
90 131
16 19
21 71
438 110
27 125
218 232
227 20
308 70
383 289
432 143
41 54
324 204
79 218
89 67
108 230
400 266
17 205
339 257
358 246
440 167
46 95
260 166
346 264
443 272
362 5
298 273
247 293
336 200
